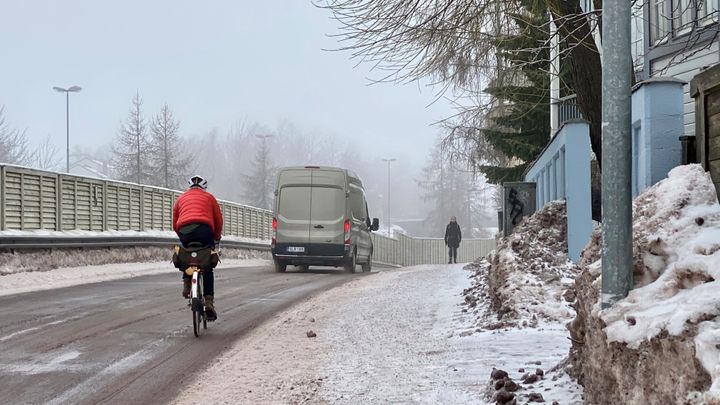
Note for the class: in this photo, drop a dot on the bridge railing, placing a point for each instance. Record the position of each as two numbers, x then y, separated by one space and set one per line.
404 250
33 200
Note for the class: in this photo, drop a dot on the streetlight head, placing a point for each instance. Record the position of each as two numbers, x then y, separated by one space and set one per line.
75 89
59 89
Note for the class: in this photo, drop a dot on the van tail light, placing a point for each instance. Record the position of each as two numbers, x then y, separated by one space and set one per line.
274 231
347 231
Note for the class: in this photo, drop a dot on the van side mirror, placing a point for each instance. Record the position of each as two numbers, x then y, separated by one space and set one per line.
375 224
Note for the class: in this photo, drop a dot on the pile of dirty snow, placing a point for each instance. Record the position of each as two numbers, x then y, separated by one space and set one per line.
41 260
528 277
661 344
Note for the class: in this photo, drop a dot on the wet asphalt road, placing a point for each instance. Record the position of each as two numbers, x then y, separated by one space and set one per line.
130 341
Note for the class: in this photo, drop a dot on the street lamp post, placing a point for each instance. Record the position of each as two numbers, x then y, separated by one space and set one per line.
73 89
387 197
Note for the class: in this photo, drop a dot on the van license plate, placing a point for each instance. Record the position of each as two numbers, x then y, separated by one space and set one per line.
296 249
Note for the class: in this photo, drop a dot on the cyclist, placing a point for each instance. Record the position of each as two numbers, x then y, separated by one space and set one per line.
197 218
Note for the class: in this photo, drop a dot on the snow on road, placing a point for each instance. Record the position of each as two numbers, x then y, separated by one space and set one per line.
23 282
392 337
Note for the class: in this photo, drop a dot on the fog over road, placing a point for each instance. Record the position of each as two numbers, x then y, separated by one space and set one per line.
131 340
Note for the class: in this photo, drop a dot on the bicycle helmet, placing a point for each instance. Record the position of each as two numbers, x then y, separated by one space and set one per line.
198 181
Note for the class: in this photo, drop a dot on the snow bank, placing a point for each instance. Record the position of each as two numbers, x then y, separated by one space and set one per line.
65 277
147 234
527 276
34 260
660 344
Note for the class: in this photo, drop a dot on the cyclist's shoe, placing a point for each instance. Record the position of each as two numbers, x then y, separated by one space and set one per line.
186 288
210 308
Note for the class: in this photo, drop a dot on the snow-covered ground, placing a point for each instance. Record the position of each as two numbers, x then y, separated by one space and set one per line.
65 277
396 336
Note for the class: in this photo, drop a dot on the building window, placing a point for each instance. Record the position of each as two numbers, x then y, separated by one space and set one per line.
673 18
659 22
682 16
707 10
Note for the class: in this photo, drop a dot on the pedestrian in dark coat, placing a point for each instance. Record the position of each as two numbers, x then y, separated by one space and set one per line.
453 236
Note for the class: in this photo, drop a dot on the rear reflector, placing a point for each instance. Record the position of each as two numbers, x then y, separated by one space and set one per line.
274 232
347 231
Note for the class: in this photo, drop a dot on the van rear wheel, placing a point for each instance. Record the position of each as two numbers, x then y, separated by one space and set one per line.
367 266
350 264
280 267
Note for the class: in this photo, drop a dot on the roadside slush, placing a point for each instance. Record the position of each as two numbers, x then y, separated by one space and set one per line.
388 338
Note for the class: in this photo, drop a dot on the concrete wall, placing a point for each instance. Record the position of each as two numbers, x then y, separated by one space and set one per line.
684 67
657 122
562 172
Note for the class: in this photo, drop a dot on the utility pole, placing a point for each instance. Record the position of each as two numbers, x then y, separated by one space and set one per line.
387 197
617 153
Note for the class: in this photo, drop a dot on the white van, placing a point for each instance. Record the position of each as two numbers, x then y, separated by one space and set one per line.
321 219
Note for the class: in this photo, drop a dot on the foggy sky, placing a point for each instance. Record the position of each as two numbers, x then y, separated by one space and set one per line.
214 63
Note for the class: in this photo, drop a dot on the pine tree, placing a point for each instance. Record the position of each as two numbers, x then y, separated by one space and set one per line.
259 184
450 192
519 126
131 150
169 160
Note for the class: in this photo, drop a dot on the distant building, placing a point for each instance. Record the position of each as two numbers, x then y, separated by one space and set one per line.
87 166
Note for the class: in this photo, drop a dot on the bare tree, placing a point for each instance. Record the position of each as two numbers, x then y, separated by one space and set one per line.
169 160
131 148
454 42
46 156
14 145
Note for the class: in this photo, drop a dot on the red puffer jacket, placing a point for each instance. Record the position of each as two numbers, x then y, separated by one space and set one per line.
198 206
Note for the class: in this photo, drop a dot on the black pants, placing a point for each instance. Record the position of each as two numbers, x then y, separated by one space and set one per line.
203 234
452 251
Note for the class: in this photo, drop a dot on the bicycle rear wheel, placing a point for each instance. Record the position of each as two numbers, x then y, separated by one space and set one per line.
198 307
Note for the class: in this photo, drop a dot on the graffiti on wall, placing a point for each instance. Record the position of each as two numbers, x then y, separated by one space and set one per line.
518 202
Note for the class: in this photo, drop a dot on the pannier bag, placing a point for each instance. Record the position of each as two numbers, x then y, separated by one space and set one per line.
203 257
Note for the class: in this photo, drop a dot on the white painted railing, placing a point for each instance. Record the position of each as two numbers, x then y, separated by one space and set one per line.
408 251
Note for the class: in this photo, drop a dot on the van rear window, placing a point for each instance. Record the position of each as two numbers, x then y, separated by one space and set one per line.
295 203
328 204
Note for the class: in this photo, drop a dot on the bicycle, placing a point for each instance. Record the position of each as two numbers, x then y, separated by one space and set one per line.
193 260
197 299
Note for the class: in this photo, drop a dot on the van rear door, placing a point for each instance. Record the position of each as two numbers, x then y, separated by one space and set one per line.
327 213
293 211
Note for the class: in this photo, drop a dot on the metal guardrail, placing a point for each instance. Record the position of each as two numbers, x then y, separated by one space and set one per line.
45 242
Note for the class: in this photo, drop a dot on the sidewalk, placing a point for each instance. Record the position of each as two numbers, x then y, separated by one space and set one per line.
392 337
